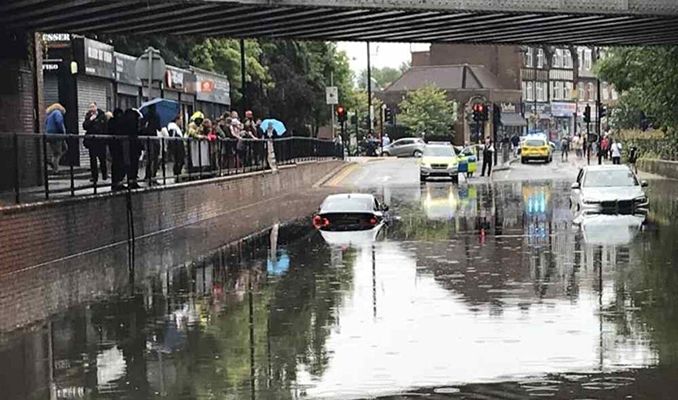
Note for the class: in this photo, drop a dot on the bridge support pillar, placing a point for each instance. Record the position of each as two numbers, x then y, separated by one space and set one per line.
21 109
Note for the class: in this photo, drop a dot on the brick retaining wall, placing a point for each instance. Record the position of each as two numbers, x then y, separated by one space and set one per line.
39 233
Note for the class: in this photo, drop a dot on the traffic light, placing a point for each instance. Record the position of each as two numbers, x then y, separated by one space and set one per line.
602 112
479 112
587 114
341 114
388 115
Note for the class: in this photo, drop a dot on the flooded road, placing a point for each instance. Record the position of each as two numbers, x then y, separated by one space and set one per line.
476 292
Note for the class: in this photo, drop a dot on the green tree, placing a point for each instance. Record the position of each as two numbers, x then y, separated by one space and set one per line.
381 77
648 80
428 111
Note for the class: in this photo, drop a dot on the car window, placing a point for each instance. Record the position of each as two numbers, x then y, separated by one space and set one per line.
406 142
535 142
610 178
579 176
377 207
347 204
439 151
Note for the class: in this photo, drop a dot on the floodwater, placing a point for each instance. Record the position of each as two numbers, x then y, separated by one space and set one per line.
478 292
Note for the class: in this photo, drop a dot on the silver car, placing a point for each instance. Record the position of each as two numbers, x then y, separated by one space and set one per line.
405 147
608 189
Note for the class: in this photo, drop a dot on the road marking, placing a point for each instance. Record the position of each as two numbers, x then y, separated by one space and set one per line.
341 176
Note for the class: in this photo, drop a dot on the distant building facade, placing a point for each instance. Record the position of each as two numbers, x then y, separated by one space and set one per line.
468 74
557 84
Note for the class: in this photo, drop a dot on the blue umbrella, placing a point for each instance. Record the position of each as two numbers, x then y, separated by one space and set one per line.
280 265
166 109
277 125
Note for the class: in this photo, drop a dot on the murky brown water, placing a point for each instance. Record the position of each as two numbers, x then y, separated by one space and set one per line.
478 293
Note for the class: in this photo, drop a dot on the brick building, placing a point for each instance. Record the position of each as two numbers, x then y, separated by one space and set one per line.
558 83
468 74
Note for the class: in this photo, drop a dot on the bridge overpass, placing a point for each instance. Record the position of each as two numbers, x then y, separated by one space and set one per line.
578 22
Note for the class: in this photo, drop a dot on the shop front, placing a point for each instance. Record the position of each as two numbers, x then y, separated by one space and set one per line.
127 84
179 85
212 93
563 118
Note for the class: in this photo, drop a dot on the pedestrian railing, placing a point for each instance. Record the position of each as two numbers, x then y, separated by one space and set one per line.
41 167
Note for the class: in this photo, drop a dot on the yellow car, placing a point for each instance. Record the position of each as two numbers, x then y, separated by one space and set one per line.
439 160
535 148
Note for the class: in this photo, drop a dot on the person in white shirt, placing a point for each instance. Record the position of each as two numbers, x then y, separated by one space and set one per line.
616 149
385 141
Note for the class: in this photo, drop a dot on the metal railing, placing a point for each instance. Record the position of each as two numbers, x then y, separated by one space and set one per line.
41 167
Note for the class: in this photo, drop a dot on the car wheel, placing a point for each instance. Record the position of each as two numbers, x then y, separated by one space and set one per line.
386 154
523 161
417 153
455 178
422 178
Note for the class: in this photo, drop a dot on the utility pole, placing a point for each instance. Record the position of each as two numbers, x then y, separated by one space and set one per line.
332 110
243 75
369 91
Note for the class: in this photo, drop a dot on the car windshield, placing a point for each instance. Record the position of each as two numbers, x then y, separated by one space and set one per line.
535 142
439 151
610 178
349 204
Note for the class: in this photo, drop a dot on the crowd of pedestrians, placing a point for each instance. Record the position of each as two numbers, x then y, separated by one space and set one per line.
130 137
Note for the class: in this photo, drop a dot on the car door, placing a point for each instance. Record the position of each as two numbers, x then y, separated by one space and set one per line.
406 148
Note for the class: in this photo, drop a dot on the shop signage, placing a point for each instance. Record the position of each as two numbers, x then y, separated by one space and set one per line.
51 65
563 109
213 88
94 58
124 69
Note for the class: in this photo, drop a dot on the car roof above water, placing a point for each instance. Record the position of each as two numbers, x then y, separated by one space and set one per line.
350 196
606 168
348 202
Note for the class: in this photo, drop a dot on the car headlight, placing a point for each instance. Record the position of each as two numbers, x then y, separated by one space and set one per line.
425 165
640 199
591 201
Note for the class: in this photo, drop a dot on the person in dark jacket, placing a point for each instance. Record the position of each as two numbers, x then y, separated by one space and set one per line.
54 125
488 157
95 123
150 126
131 147
116 148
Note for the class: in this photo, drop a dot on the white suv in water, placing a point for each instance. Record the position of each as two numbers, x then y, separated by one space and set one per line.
608 189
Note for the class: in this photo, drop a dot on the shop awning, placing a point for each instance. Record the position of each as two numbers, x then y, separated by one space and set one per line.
513 119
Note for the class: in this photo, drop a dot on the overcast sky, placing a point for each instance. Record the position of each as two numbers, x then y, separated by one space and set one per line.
383 54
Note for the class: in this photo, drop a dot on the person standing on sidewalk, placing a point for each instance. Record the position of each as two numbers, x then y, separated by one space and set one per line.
616 150
565 148
116 148
150 126
633 157
54 125
96 123
488 157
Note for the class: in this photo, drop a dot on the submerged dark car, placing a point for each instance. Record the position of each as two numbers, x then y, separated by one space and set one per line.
349 212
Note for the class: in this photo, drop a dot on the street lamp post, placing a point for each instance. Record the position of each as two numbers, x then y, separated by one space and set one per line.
369 91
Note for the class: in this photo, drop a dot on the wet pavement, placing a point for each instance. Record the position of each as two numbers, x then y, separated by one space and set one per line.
474 292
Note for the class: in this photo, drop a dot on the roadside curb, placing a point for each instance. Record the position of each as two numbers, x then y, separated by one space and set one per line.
506 166
323 181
